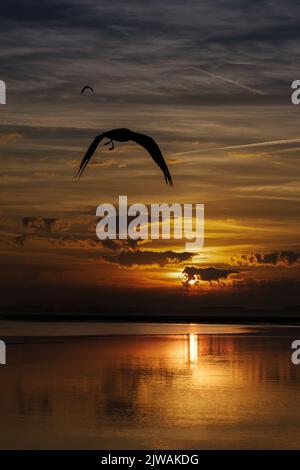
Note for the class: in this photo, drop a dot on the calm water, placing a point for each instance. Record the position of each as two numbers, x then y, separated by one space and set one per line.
158 386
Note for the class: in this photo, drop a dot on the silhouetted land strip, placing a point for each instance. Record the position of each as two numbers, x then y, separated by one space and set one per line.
233 315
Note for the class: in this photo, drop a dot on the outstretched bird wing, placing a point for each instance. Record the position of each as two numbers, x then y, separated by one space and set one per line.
86 88
89 153
153 149
141 139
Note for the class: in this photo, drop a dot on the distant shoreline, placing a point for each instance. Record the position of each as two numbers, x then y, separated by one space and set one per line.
224 319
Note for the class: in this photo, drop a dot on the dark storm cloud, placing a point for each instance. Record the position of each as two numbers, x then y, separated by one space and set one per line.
191 273
148 258
278 258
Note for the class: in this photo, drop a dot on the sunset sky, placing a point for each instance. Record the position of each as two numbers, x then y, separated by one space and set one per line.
194 76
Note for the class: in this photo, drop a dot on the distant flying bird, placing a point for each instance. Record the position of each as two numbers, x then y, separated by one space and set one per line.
86 88
124 135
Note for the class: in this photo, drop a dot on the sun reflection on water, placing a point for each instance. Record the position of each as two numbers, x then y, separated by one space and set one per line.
191 348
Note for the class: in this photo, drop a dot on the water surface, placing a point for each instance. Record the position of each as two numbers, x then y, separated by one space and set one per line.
149 386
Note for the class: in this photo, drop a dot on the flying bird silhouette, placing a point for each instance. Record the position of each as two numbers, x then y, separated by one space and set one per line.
86 88
124 135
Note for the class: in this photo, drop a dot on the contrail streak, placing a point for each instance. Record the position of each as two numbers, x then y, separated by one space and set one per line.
269 143
233 82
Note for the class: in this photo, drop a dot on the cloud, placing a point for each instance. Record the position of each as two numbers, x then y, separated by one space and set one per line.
148 258
37 224
278 258
7 137
123 245
174 161
105 163
20 239
73 231
141 58
191 274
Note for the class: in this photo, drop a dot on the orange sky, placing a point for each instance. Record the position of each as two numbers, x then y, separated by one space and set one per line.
250 198
166 87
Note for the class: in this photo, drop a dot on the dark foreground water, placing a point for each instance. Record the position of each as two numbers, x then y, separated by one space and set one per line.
149 386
